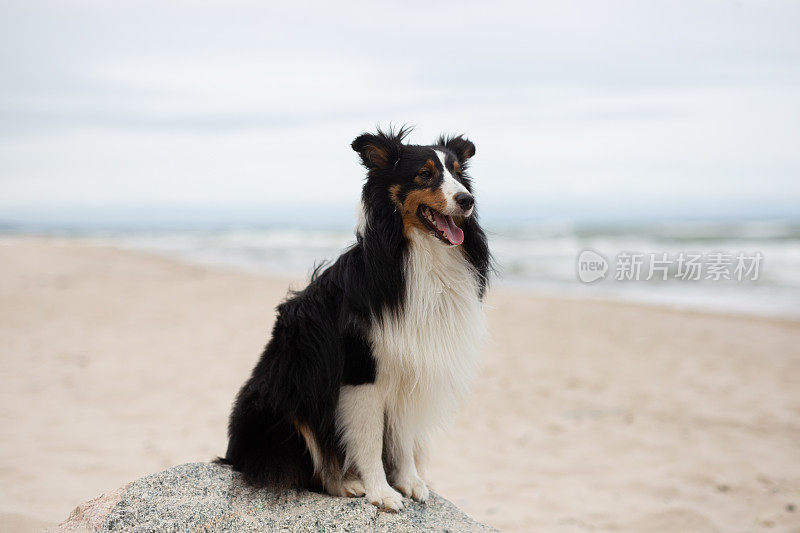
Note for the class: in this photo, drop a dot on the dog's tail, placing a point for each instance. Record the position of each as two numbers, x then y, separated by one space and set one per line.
265 447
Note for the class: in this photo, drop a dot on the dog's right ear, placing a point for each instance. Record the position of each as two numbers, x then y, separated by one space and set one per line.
379 151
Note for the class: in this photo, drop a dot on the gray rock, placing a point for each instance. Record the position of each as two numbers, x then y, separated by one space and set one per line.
210 497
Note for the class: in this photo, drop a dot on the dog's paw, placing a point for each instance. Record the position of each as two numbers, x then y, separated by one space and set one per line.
386 498
352 487
413 487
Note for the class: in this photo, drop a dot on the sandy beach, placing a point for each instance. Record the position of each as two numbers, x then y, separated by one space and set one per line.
587 416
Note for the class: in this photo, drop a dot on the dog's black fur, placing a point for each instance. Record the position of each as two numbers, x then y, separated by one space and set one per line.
319 341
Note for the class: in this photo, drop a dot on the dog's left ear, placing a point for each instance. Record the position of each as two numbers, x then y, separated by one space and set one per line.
460 145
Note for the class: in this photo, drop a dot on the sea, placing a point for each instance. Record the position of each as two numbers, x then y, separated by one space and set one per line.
740 267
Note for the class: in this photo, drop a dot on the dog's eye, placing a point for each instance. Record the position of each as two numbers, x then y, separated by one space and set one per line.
425 174
459 174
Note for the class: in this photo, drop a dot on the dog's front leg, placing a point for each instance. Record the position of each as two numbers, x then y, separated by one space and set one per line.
405 478
360 418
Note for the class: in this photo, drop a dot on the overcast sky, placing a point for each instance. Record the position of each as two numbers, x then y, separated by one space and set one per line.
651 107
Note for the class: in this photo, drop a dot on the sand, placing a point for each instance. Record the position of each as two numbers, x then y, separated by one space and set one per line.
588 416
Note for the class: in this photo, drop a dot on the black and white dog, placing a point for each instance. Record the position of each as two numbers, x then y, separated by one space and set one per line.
378 349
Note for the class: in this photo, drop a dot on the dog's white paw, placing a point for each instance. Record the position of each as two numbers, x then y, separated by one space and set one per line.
413 487
352 487
386 497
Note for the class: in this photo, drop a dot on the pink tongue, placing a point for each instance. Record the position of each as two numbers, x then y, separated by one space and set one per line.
445 224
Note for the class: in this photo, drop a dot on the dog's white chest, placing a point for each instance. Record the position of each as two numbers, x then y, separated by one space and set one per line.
428 352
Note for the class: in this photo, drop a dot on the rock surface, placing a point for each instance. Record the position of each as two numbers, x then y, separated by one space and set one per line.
209 497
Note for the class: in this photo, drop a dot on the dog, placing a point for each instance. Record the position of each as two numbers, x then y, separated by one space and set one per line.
376 352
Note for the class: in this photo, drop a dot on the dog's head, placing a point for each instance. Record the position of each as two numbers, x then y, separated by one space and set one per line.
427 185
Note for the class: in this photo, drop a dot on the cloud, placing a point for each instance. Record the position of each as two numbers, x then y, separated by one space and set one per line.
198 104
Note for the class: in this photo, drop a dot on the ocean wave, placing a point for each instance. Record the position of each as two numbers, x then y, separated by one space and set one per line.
540 257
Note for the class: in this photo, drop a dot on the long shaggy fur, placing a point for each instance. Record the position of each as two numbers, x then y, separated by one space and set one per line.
390 330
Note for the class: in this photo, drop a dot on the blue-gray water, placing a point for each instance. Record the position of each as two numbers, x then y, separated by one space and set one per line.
540 256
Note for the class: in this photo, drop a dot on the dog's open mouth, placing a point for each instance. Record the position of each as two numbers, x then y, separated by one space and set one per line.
442 226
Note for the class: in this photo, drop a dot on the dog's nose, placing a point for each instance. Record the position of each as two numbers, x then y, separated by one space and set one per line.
464 200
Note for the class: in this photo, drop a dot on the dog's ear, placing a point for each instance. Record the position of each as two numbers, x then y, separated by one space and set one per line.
459 145
376 151
380 150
